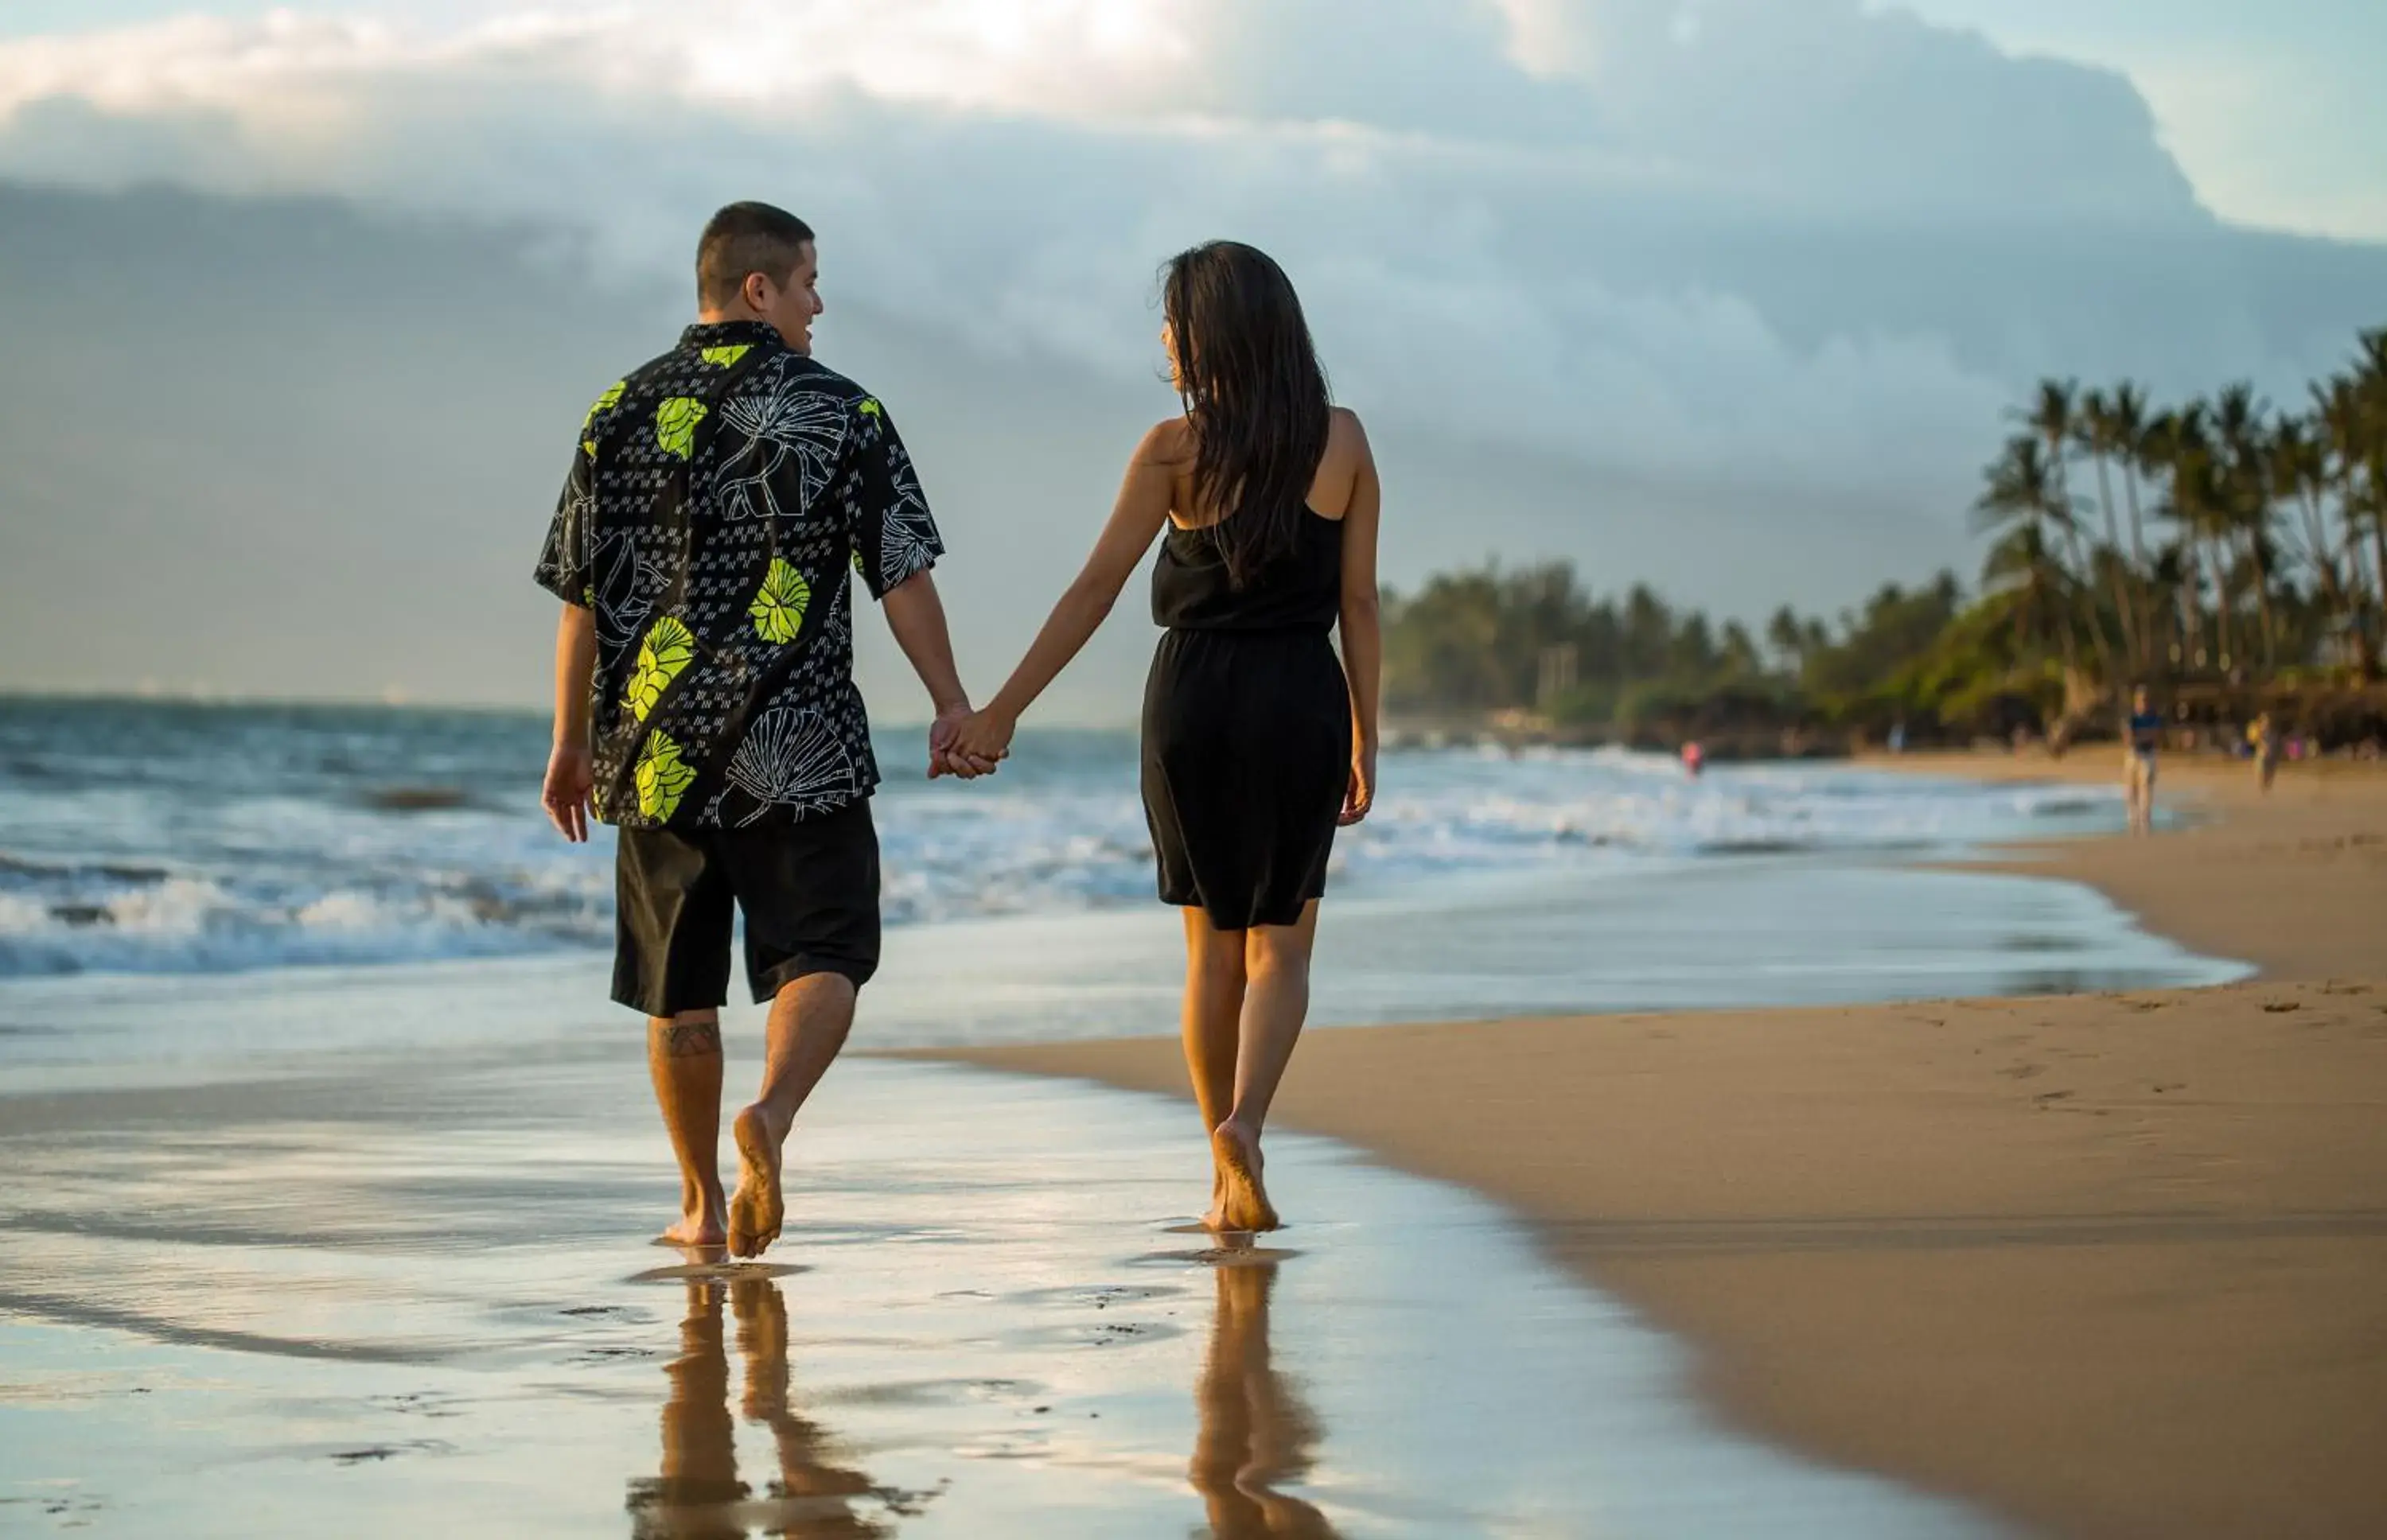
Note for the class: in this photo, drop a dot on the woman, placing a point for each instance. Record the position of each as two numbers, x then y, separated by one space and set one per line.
1257 741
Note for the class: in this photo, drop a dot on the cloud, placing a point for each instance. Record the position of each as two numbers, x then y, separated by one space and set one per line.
1828 106
333 439
1725 244
1795 102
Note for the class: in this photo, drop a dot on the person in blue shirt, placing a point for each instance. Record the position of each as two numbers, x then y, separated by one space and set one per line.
2139 740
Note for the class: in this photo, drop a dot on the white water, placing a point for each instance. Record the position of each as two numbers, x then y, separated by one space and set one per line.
175 840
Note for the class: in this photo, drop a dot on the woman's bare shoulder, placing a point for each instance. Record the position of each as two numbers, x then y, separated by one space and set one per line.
1347 440
1170 442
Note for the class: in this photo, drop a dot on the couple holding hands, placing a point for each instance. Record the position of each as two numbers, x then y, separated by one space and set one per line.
721 500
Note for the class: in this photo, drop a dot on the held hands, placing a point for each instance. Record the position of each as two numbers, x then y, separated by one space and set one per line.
948 755
979 741
570 780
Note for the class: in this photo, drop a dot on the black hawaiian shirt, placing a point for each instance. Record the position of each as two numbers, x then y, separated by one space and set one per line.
718 498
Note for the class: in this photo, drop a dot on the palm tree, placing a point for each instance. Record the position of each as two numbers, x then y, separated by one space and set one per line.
2153 453
2300 470
2172 572
2238 423
1788 638
2021 500
2128 411
2180 448
2022 576
2054 416
2101 431
2131 428
2369 442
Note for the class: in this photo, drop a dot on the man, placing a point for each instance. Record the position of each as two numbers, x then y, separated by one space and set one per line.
2140 737
704 700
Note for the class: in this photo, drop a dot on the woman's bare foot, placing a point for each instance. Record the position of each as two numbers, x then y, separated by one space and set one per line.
1244 1204
1215 1217
755 1209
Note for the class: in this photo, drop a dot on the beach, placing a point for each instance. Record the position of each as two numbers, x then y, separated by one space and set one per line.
1686 529
330 1178
2109 1264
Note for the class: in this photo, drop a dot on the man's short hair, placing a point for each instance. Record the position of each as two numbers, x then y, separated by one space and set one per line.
747 238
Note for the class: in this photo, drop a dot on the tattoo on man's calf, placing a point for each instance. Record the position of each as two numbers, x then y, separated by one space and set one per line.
687 1040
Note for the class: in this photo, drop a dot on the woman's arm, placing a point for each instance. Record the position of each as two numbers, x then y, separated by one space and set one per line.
1363 634
1142 508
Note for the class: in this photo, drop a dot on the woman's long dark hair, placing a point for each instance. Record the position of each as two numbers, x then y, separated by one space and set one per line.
1255 394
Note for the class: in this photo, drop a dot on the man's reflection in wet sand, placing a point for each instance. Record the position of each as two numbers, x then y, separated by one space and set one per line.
698 1494
1256 1434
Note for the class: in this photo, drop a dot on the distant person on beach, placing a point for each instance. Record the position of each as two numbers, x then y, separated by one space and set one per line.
2262 738
1695 759
719 496
2141 736
1257 742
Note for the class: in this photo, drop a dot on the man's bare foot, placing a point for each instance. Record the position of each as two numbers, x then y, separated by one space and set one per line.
700 1229
703 1216
1244 1204
755 1209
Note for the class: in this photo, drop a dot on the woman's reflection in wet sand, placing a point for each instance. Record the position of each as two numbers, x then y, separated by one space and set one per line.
1256 1433
698 1494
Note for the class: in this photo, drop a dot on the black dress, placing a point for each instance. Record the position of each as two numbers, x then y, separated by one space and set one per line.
1246 727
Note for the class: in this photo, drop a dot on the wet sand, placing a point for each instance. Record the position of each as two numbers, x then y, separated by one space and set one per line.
399 1299
2114 1265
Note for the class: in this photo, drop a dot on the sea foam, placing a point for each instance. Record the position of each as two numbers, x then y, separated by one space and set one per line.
151 840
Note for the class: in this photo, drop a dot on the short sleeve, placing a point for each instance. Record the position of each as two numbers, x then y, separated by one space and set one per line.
894 537
567 568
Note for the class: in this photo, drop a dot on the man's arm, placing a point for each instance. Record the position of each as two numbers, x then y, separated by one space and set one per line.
570 778
895 543
917 615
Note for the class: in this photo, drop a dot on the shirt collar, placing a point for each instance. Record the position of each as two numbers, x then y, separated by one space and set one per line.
729 333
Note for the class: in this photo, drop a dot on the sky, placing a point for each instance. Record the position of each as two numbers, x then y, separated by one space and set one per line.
2272 111
1729 296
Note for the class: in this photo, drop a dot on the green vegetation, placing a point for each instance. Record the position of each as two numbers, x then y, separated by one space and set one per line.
2213 547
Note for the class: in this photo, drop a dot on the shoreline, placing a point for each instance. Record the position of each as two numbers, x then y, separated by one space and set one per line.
2105 1264
2248 878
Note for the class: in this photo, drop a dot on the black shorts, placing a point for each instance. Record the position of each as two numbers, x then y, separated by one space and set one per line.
810 892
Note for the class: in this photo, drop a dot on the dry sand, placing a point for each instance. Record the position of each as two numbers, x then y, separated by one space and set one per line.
2114 1265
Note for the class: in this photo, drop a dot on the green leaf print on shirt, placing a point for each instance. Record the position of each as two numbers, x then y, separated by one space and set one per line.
667 649
605 402
778 608
663 776
722 358
676 422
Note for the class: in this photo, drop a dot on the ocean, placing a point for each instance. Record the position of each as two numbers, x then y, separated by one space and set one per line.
173 839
